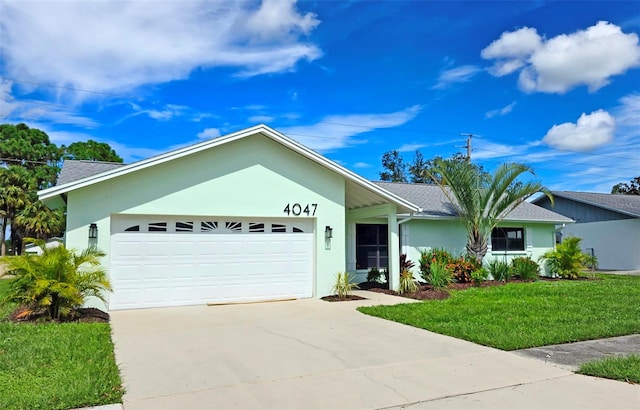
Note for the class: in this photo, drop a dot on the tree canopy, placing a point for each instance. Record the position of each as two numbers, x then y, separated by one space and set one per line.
91 150
420 170
29 161
630 188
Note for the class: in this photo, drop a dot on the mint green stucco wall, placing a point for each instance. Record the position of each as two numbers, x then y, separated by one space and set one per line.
251 177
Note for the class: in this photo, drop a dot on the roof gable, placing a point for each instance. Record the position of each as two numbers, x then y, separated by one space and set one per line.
74 170
92 174
625 204
434 203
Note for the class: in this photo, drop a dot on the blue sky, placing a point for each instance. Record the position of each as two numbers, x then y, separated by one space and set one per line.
555 85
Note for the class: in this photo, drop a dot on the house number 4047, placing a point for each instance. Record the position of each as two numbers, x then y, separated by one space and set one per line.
297 209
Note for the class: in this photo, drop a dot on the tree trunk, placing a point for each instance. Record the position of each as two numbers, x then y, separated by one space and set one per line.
3 235
477 247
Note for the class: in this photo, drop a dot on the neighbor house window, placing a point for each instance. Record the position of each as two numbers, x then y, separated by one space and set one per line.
507 239
371 246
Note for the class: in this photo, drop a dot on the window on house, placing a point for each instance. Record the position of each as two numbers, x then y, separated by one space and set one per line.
371 246
507 239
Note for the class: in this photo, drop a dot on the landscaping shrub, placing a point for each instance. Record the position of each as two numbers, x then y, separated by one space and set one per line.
499 270
462 268
344 284
439 275
525 268
59 280
407 283
431 256
479 275
374 275
567 259
406 263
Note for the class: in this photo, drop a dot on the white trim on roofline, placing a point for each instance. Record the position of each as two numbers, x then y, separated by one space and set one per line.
192 149
515 220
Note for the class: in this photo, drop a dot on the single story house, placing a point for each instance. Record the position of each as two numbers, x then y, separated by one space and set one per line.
609 225
254 216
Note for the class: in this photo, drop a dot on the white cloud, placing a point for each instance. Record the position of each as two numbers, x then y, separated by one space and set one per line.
263 119
209 133
337 131
456 75
410 147
590 132
117 46
587 57
362 165
279 18
501 111
13 110
628 113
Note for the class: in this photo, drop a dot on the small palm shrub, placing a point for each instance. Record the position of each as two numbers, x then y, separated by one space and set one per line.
427 257
499 270
407 283
567 259
525 268
440 276
344 284
479 275
463 267
59 280
374 275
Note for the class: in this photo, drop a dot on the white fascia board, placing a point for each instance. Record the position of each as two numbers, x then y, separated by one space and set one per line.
262 129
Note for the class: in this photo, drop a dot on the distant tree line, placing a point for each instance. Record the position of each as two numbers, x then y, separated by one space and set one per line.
630 188
29 161
420 170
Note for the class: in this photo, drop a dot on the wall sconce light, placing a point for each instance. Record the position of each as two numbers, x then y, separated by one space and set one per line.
328 232
93 231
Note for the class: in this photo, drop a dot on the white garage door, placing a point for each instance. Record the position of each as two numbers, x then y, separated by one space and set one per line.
166 261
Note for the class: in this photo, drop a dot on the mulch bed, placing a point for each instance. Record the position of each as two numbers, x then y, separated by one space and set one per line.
336 298
82 315
426 292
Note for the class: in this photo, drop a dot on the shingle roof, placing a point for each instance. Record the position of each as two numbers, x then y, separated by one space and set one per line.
74 170
434 203
626 204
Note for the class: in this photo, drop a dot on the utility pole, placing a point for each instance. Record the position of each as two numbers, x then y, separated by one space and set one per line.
468 146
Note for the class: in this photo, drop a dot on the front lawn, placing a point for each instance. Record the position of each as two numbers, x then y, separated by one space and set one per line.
56 366
626 369
523 315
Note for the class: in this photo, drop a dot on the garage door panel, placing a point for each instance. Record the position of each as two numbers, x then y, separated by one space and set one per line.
173 269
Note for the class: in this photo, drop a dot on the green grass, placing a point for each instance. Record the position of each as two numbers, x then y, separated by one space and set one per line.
56 366
522 315
617 368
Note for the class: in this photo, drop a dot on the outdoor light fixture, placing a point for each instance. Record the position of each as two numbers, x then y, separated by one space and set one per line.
328 232
93 231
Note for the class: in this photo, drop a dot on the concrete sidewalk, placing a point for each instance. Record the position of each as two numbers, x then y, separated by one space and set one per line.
572 355
316 354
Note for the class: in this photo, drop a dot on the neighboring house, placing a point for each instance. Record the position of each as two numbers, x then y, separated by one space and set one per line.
609 225
250 216
37 250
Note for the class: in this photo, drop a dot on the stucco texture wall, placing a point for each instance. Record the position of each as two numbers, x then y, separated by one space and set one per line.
251 177
615 243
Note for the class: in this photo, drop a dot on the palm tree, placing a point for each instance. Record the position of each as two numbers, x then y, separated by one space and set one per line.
15 185
483 200
59 280
36 220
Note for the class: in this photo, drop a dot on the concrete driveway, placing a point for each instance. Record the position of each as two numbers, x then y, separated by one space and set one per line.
314 354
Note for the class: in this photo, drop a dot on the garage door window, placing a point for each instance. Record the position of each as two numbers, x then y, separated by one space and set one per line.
217 227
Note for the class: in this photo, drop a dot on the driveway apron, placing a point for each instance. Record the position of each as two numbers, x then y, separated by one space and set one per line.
315 354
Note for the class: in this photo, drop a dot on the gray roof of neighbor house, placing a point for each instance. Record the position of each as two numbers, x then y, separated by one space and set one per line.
626 204
434 203
73 170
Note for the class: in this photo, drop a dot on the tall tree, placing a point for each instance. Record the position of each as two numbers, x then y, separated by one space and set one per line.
630 188
31 149
395 167
419 170
482 200
91 150
15 186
